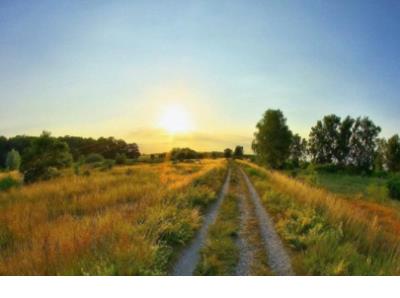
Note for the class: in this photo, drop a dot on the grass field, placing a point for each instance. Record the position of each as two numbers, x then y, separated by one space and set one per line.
328 234
136 219
127 221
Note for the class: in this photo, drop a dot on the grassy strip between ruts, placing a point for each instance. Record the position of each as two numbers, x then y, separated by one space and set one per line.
325 237
220 254
251 230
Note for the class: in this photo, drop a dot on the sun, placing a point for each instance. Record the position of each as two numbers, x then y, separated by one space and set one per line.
175 119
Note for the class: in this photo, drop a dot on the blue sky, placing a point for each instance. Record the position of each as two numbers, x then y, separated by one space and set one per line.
97 68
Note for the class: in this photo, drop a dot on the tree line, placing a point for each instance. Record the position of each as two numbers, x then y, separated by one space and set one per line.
348 143
41 157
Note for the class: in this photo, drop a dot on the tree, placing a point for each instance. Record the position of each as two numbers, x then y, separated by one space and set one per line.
343 143
228 153
3 151
298 149
324 139
44 158
380 155
392 153
363 142
13 160
238 153
272 139
183 153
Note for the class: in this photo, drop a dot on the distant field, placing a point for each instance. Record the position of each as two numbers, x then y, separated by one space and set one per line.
352 187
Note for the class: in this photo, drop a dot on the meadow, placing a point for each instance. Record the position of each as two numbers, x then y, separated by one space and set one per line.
129 220
326 233
136 220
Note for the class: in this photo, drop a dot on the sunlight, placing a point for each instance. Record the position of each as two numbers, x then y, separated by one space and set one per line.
175 119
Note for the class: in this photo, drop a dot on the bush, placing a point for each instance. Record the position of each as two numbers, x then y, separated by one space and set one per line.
13 160
120 159
393 186
8 182
326 168
94 158
43 159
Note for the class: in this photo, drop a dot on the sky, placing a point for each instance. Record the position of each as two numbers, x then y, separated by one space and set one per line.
118 68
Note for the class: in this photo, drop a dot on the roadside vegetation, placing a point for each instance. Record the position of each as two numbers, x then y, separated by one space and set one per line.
129 220
328 235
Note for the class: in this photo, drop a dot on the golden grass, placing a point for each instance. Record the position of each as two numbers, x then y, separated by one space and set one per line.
114 222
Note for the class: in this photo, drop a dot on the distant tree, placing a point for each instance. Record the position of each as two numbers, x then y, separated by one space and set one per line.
44 158
238 153
3 151
363 143
272 139
13 161
183 153
298 149
228 153
392 153
380 155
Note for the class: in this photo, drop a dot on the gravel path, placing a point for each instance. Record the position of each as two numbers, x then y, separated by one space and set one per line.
245 249
190 256
278 259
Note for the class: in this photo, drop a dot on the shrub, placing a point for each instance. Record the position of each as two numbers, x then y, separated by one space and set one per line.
393 186
13 160
120 159
8 182
45 155
107 165
326 168
94 158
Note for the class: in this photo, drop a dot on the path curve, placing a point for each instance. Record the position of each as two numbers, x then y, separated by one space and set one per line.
278 259
190 256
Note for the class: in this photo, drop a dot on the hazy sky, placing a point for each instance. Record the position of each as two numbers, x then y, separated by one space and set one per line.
97 68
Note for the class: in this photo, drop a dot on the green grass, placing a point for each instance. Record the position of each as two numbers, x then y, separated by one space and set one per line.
220 254
350 186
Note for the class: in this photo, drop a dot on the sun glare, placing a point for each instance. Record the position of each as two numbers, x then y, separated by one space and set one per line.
175 119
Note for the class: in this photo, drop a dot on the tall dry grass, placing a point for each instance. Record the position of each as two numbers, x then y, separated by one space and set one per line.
374 228
124 221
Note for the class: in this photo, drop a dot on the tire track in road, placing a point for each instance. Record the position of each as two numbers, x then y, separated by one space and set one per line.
190 256
278 259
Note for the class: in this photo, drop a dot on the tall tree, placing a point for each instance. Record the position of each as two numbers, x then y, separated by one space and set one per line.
272 139
380 154
298 149
238 153
324 140
392 153
343 143
363 143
